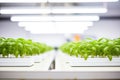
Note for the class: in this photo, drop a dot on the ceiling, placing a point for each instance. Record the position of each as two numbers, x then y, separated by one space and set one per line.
113 8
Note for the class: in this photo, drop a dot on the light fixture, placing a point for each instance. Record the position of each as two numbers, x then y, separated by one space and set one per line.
58 10
39 27
73 24
56 18
71 29
22 1
43 27
56 27
55 1
76 18
23 24
23 10
72 1
31 18
68 10
56 30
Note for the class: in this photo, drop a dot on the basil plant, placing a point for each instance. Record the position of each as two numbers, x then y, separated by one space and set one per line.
21 47
102 47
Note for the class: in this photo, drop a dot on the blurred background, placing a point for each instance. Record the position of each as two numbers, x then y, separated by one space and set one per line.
56 22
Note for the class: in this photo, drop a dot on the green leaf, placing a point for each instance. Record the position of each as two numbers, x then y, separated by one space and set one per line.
110 57
85 56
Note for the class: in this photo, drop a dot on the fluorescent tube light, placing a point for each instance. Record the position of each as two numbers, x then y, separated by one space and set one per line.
58 10
25 11
71 29
31 18
78 10
45 24
72 1
53 1
73 24
55 18
22 1
39 27
55 23
56 27
75 18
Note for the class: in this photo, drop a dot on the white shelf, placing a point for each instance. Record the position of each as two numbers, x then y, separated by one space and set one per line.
62 70
63 64
26 61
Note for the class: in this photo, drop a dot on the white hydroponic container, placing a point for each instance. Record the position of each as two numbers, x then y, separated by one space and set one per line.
12 61
78 61
94 62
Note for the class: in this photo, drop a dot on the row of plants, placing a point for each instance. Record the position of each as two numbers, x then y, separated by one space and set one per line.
21 47
102 47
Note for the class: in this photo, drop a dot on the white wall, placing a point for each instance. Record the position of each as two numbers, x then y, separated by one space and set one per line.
9 29
105 28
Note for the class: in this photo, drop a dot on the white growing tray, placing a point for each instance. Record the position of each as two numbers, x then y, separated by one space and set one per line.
94 62
76 62
27 61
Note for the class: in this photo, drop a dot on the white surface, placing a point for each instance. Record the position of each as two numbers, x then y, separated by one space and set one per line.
94 61
105 28
62 64
42 66
28 61
62 71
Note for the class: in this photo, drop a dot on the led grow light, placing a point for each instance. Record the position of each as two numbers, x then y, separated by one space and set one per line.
22 1
78 10
55 23
55 18
25 11
56 27
58 10
72 1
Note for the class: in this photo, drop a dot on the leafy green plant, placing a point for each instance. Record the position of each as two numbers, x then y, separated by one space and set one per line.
102 47
21 47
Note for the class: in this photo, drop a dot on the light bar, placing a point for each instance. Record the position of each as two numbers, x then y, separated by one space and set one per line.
55 18
58 30
41 27
25 11
75 18
31 18
22 1
53 1
56 27
73 24
74 1
78 10
23 24
58 10
44 29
